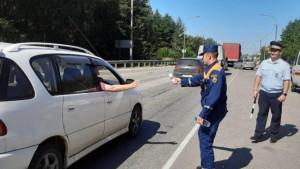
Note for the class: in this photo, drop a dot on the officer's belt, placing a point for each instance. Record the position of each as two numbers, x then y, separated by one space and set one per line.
217 66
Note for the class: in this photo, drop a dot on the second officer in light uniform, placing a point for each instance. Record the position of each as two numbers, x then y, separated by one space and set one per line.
213 101
273 75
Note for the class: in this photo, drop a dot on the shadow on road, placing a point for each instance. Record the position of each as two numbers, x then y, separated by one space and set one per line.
286 130
240 158
114 153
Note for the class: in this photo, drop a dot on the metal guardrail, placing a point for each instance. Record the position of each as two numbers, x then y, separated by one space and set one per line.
140 63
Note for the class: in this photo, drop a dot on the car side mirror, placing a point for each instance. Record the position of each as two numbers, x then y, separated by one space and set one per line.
128 81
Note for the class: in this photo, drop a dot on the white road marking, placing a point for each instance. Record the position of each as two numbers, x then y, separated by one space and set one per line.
228 83
178 151
180 148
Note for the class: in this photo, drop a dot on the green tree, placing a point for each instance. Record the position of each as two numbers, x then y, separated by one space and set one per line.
177 37
102 22
291 40
190 53
166 53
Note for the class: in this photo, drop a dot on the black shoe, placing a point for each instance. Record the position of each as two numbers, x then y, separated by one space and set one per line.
255 139
273 140
199 167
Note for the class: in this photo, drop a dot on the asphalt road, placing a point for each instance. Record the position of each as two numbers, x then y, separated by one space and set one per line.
168 135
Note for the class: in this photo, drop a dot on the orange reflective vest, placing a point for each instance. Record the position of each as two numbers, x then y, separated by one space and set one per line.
217 66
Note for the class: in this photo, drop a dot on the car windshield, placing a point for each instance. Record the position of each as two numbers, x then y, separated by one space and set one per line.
188 62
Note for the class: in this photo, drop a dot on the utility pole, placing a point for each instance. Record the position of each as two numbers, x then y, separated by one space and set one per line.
275 23
276 32
259 49
184 30
265 49
183 50
131 33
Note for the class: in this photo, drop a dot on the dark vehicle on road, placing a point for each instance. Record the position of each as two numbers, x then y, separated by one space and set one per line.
188 67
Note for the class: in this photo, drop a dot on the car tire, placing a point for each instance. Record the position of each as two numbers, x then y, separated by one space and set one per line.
293 87
135 121
47 156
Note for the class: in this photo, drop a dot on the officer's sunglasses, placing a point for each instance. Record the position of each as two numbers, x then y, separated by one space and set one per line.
274 50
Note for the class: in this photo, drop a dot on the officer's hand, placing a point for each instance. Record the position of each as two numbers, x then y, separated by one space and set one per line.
176 80
281 98
255 94
199 120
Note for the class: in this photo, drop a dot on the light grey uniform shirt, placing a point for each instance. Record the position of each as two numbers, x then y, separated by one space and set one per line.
273 74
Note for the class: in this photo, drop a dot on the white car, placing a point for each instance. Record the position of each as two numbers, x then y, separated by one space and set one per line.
52 110
295 81
244 64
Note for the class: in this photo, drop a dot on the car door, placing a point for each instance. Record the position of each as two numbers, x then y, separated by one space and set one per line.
296 71
118 108
240 64
83 106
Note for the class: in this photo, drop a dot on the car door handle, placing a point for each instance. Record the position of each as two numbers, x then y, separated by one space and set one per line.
109 101
71 107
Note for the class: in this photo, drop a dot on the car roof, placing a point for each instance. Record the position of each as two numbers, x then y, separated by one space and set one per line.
18 46
4 45
37 48
190 58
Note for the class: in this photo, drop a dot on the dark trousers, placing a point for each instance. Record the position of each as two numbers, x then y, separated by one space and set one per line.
206 138
266 101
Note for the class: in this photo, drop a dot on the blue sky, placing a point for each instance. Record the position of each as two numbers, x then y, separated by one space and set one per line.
232 20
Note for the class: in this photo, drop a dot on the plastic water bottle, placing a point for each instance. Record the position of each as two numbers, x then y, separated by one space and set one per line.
205 122
171 77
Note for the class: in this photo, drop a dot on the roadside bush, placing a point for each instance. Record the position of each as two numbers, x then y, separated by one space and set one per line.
190 53
163 53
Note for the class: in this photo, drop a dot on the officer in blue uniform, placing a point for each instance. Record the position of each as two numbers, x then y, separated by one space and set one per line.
213 101
273 76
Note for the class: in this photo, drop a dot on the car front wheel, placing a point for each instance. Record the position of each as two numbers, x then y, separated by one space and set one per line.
47 156
135 121
293 87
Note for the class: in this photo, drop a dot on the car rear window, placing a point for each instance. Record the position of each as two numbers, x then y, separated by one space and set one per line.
44 69
188 62
14 84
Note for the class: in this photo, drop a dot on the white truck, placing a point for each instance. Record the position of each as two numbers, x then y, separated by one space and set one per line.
221 56
295 80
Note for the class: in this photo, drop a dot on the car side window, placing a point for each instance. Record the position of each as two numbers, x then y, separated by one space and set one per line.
44 69
76 75
106 75
14 84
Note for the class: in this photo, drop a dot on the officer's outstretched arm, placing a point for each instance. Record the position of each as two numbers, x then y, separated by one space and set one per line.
192 82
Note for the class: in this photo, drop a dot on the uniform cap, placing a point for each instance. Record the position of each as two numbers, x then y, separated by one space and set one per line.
209 48
276 45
